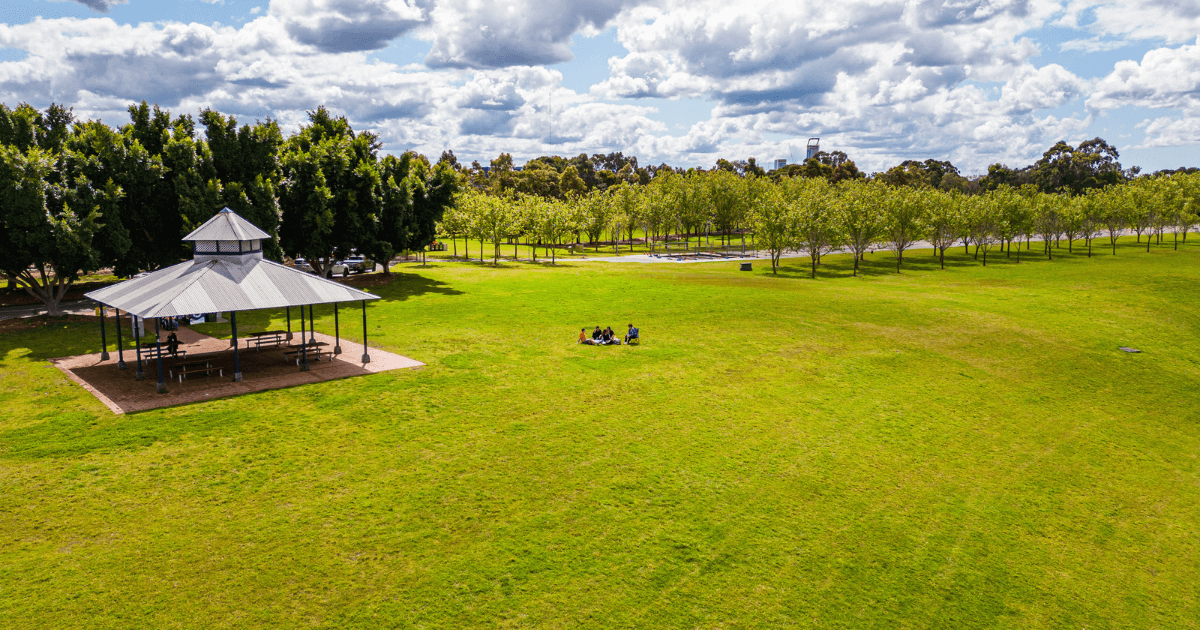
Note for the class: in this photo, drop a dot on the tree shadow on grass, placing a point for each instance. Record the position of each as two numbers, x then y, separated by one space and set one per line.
882 263
44 337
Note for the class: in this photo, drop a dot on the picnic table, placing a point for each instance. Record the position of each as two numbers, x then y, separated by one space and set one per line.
310 349
266 339
151 346
194 367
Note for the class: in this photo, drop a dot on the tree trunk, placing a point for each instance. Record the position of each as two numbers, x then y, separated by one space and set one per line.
49 291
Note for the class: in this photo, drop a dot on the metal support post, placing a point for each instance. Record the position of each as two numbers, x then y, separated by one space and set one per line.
303 344
312 325
237 365
337 333
103 341
366 358
289 320
120 350
137 345
162 387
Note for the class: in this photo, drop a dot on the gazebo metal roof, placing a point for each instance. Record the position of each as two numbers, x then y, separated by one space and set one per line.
214 286
227 225
223 282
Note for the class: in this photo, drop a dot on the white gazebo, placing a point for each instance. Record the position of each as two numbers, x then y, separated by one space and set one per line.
227 273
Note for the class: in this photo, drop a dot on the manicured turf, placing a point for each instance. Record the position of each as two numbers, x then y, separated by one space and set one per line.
958 449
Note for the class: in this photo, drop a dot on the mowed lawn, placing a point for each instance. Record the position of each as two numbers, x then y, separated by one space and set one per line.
964 448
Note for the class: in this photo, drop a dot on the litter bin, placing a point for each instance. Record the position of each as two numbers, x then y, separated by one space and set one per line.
746 267
210 317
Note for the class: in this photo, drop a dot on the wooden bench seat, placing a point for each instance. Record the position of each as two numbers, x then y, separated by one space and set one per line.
266 341
312 352
206 368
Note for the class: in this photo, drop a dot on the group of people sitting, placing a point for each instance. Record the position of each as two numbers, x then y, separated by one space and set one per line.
606 336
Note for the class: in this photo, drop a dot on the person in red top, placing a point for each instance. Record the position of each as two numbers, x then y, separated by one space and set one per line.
583 335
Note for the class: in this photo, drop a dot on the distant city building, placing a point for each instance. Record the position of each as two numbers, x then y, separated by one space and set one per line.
780 163
814 146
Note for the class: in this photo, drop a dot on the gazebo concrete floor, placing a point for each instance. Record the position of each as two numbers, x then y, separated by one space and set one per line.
261 370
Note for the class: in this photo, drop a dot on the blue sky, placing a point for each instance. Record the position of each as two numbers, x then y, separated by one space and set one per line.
685 82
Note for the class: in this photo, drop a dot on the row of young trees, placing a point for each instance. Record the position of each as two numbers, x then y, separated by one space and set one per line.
814 216
78 196
671 203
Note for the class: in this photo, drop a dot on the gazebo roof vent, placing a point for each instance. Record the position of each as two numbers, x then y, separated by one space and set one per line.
226 235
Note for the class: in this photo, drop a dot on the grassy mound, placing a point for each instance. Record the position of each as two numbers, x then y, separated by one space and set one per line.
961 448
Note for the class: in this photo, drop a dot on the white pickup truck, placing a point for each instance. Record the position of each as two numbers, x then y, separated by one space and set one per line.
339 268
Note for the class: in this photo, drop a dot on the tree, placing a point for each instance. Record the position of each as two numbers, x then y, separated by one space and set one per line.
47 246
774 225
1071 170
815 219
727 197
627 206
689 198
1113 215
245 164
597 214
1047 218
551 222
658 207
985 213
916 174
1092 211
1013 218
330 196
149 205
455 223
904 220
1138 208
944 212
1072 221
492 219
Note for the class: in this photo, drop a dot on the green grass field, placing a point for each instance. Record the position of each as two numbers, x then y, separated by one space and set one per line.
964 448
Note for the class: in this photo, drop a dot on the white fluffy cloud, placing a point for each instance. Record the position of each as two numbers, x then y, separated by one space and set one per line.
100 6
885 80
1166 77
500 33
348 25
1172 21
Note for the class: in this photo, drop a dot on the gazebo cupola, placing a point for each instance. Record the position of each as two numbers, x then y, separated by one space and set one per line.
228 238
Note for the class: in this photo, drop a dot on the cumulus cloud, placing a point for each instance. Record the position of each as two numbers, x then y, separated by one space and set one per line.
1166 77
1173 132
1169 20
885 80
501 33
101 6
348 25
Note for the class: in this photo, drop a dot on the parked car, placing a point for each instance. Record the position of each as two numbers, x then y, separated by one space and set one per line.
338 268
357 264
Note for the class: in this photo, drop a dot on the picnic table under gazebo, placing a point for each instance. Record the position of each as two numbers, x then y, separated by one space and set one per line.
227 273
